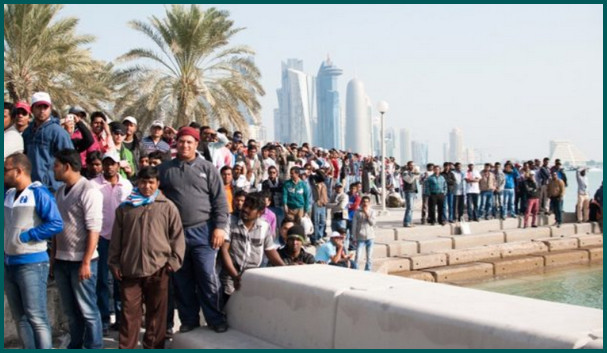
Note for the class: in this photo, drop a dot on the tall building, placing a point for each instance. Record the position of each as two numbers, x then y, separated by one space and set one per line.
390 142
329 113
375 136
456 144
567 152
468 156
405 145
294 119
358 119
420 153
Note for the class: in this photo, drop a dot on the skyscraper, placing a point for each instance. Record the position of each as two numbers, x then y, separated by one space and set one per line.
456 144
329 113
358 119
405 145
294 120
420 153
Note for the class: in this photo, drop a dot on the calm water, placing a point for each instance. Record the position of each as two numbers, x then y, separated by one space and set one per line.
579 285
594 181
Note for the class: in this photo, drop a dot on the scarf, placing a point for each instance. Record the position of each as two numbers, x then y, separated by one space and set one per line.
136 199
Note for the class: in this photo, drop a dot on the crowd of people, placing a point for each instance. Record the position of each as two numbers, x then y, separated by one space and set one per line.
172 220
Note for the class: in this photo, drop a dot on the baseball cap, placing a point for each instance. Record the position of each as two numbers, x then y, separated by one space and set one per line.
297 232
77 110
337 235
158 123
41 98
130 119
113 156
116 127
24 106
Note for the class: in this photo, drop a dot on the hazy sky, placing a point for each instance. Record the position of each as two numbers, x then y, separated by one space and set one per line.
512 77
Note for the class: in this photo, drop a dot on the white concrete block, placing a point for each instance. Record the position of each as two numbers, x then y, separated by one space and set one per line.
462 256
521 248
555 244
483 226
204 338
511 223
427 261
565 230
583 228
385 235
527 234
423 232
475 240
434 245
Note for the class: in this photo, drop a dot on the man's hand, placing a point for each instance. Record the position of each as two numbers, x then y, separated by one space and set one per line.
217 238
85 271
117 274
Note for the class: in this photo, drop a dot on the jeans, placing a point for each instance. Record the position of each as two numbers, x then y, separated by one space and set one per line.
103 287
337 224
556 204
498 204
25 289
320 223
367 245
473 213
197 283
79 301
448 213
458 205
486 207
280 216
508 203
409 199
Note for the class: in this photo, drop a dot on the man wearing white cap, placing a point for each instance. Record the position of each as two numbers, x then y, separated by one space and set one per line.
42 139
132 140
154 142
334 253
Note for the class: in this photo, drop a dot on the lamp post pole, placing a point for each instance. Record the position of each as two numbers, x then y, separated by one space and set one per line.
383 107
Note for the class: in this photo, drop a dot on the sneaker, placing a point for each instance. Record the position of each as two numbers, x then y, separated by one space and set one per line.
221 328
115 326
186 328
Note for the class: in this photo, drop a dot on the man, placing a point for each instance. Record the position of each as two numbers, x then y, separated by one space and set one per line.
510 178
544 179
410 178
143 264
42 139
422 180
556 192
115 188
226 177
75 251
254 165
334 253
448 214
294 253
216 143
101 132
295 195
532 191
487 186
239 198
436 187
8 108
339 208
154 141
583 199
20 116
500 181
13 141
274 185
268 215
31 218
560 171
131 140
249 240
363 228
127 163
459 191
472 192
168 136
195 186
319 206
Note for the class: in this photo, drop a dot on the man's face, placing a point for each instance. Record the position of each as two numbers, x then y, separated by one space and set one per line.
545 162
337 241
154 162
237 171
209 135
156 132
97 125
285 228
471 167
110 168
22 119
272 174
226 176
186 147
59 170
144 162
95 167
147 187
239 202
10 174
365 203
265 153
168 133
272 153
294 174
41 112
487 168
7 118
249 213
118 138
130 128
436 170
554 175
251 152
294 245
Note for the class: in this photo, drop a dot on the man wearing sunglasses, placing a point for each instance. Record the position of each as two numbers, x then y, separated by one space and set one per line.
42 139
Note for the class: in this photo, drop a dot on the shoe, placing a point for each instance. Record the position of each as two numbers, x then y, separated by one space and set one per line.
443 223
168 334
115 326
106 332
558 225
534 226
221 328
186 328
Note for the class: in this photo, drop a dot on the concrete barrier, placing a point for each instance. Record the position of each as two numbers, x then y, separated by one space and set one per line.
595 253
385 235
511 223
583 228
417 275
474 240
390 265
527 234
402 248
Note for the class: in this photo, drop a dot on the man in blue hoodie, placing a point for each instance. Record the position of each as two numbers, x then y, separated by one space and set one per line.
42 139
31 218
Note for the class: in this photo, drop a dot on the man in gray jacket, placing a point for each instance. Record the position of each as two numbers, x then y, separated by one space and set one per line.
363 229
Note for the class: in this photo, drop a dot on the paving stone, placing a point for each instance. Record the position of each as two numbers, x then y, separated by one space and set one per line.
462 256
474 240
522 248
433 245
516 264
565 230
423 232
427 261
595 253
583 228
401 248
527 234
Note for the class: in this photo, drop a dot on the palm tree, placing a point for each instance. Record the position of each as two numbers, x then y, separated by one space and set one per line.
43 53
196 75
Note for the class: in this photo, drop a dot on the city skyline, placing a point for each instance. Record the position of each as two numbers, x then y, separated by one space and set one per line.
499 72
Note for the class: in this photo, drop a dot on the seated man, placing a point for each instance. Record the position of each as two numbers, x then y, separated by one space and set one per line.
334 253
293 253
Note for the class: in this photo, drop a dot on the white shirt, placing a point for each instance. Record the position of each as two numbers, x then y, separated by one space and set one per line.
473 188
13 142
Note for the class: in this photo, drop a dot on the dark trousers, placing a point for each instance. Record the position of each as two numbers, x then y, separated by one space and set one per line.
424 208
197 283
436 201
557 207
473 212
459 203
151 291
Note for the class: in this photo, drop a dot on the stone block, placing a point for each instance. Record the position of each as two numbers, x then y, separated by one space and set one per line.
418 275
596 228
427 261
380 250
516 264
522 248
484 226
555 244
401 248
423 232
527 234
385 235
433 245
583 228
589 240
566 257
463 256
595 253
511 223
461 273
475 240
569 217
565 230
391 264
546 220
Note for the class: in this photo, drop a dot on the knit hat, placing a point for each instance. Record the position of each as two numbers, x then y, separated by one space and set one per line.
189 131
296 232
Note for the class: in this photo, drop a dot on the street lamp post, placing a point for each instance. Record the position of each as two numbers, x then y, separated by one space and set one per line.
383 107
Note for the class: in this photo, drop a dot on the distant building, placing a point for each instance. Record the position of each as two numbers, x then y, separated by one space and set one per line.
456 144
391 143
329 112
420 153
358 119
445 152
567 152
468 156
405 145
294 119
